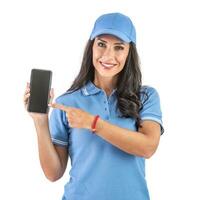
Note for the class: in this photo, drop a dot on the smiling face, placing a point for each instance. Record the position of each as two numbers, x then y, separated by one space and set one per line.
109 56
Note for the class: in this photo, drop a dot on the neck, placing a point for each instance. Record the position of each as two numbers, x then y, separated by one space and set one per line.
106 84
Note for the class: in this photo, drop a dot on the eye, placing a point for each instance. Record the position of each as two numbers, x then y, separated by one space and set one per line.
119 48
101 44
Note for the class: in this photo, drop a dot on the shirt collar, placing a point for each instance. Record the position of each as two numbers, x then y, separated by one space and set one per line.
90 88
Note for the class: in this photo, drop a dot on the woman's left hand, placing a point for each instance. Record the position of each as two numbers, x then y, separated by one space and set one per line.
77 118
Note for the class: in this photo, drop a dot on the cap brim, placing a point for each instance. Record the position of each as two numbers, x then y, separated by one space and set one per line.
116 33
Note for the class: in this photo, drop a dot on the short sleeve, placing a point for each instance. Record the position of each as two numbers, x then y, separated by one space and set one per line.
58 125
151 106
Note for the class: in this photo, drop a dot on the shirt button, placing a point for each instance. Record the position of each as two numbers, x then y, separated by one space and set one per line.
105 108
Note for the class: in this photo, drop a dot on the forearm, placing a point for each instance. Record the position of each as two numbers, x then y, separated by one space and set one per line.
49 158
134 143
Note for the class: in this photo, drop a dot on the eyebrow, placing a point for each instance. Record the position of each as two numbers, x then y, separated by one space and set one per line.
117 43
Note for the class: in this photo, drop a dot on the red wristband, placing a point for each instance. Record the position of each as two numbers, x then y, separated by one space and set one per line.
93 127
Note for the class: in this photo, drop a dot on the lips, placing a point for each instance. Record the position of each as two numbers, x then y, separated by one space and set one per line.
107 65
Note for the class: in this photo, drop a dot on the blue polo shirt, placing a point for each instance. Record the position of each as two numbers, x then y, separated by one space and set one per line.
99 170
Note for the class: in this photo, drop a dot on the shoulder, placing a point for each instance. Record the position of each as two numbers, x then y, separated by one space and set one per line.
68 97
148 89
148 93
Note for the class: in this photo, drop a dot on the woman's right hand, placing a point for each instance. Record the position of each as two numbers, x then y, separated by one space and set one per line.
53 158
37 117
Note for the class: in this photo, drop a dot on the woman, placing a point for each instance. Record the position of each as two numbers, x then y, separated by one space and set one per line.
107 122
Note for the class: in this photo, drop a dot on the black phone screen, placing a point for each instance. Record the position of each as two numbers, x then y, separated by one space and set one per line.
40 85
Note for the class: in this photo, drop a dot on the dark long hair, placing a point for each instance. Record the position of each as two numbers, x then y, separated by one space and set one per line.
128 83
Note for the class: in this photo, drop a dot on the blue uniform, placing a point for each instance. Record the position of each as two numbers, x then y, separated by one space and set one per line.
101 171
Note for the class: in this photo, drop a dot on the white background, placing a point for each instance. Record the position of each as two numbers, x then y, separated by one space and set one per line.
52 35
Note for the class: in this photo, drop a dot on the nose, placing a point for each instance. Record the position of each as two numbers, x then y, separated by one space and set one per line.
108 54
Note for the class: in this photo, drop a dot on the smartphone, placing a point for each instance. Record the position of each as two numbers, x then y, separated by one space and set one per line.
40 85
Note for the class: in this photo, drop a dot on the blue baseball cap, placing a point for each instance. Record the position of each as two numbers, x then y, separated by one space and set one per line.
115 24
